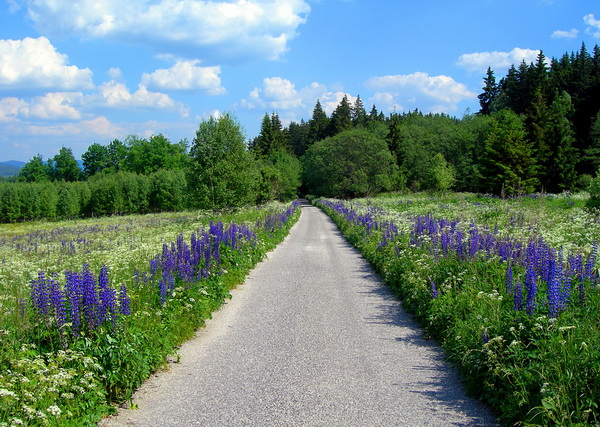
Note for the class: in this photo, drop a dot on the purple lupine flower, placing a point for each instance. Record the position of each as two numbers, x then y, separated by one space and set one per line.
553 288
434 291
153 267
531 287
40 295
162 291
518 296
90 298
484 336
57 301
509 279
124 301
74 289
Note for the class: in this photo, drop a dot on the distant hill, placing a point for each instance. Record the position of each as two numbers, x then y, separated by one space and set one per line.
10 168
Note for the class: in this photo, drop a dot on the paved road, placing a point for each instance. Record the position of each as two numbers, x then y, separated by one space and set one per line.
312 338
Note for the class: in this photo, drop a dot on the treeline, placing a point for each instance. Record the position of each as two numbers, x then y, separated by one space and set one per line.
538 129
139 176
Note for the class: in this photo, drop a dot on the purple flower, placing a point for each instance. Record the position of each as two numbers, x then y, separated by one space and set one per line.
531 287
434 291
124 301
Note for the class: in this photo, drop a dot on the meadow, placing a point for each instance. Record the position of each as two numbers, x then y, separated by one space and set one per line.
90 308
508 287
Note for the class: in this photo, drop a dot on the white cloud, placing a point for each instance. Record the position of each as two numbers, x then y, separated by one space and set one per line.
98 126
113 94
52 106
291 104
593 25
571 34
186 75
219 29
428 93
115 73
35 63
12 108
56 106
480 61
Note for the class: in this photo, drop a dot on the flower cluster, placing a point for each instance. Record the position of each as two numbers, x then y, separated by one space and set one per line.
467 241
84 303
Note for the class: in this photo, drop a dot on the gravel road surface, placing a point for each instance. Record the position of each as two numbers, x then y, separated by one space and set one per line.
312 338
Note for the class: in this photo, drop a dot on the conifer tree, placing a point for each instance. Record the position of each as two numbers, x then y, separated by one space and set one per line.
508 164
359 114
562 139
489 94
341 118
318 125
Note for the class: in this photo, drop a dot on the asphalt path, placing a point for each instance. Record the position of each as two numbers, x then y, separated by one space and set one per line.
312 338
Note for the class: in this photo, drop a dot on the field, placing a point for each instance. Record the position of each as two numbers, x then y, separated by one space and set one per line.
90 308
508 287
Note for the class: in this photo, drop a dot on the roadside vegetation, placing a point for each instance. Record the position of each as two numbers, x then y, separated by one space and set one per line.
508 287
90 308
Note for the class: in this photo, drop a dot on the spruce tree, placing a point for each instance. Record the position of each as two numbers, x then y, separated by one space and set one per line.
489 94
318 125
359 114
341 118
562 139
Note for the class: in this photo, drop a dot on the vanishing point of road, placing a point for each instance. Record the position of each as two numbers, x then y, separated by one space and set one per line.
312 338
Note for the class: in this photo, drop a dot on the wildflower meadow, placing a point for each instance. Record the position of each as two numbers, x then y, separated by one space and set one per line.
90 308
508 287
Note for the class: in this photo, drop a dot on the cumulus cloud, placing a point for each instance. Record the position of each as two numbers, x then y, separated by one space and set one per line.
279 94
429 93
571 34
186 75
218 29
52 106
593 25
480 61
113 94
35 63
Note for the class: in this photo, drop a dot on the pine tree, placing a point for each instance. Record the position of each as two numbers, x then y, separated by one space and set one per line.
489 94
508 166
341 118
318 125
359 114
562 139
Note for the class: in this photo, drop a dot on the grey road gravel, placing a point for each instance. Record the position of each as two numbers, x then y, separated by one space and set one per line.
312 338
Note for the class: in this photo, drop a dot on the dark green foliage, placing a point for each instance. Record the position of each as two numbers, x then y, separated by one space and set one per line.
64 167
561 139
341 118
280 176
508 163
490 92
95 159
359 114
148 156
318 125
168 191
223 173
271 137
349 164
35 170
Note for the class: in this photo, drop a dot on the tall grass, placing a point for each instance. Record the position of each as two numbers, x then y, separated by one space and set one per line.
509 288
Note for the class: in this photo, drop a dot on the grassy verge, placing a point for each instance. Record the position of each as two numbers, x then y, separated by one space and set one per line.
89 309
509 288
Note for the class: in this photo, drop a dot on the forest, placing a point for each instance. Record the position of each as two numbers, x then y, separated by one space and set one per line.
537 130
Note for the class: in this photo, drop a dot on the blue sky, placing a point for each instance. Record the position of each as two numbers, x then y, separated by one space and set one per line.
78 72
